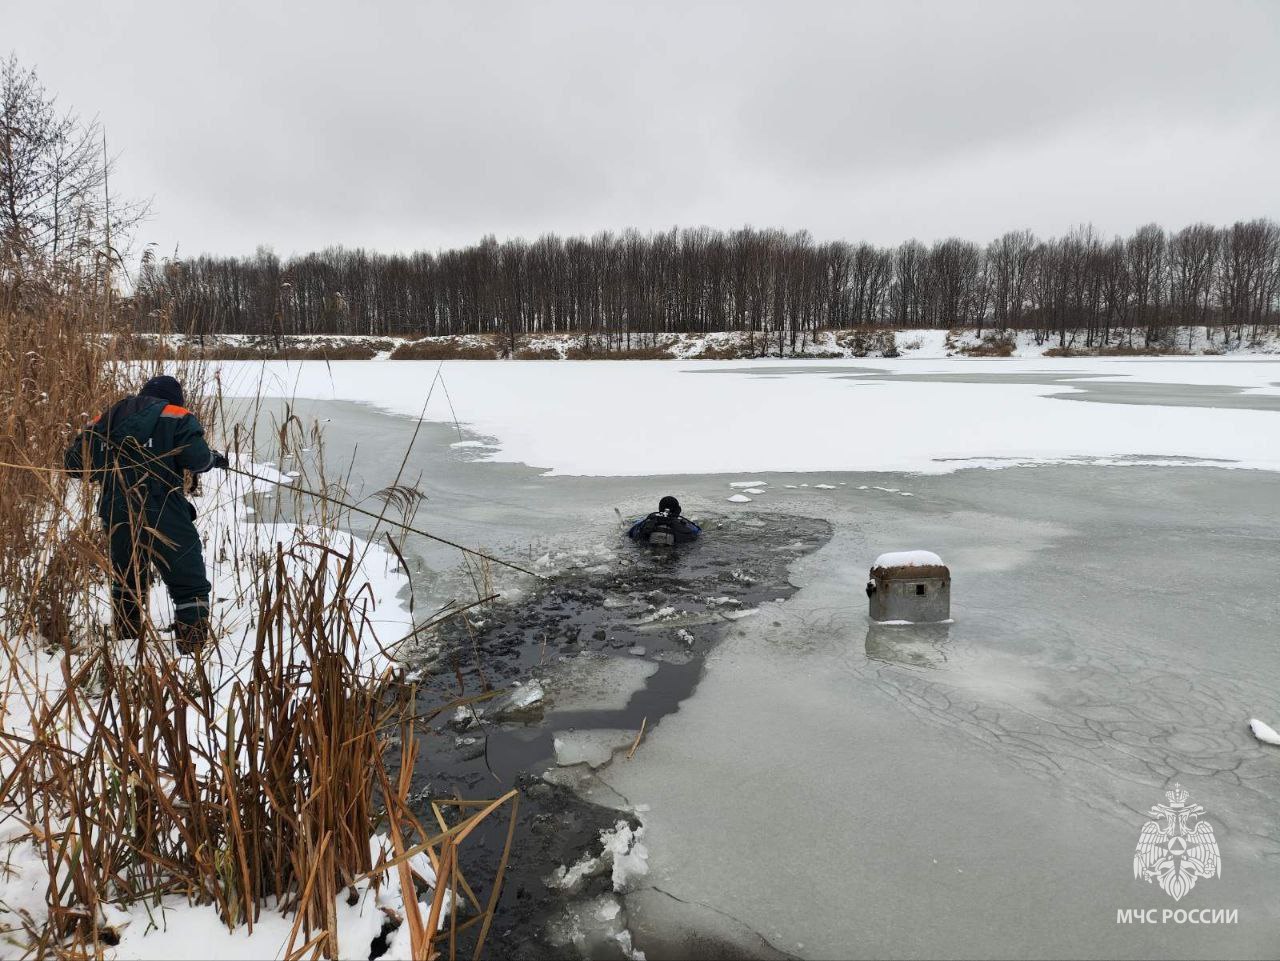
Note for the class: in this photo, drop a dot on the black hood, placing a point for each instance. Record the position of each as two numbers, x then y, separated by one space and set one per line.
165 388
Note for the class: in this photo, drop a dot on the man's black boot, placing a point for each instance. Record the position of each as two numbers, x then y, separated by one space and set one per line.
191 637
126 619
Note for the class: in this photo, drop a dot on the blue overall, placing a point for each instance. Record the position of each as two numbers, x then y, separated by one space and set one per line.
137 451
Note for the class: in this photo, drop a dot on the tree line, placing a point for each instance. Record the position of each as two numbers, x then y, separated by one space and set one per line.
766 281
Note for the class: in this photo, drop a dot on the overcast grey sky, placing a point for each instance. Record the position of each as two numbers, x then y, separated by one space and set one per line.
409 124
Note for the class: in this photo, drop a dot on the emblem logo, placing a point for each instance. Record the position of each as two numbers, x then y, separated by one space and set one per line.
1176 848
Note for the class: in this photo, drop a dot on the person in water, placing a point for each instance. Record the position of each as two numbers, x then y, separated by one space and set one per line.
665 526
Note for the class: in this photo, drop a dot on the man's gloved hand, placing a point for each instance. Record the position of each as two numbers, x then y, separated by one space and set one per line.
220 461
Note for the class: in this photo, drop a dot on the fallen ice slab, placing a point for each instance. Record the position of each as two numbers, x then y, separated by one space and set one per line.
593 748
596 682
739 499
749 483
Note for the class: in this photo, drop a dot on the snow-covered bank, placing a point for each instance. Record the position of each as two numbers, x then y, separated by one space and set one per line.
163 927
924 416
851 344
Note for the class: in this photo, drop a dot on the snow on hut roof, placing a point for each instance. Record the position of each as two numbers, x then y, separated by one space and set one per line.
908 559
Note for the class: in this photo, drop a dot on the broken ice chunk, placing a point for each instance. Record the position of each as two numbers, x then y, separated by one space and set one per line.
739 499
520 700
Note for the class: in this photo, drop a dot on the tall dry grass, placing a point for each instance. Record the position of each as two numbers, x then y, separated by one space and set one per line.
246 782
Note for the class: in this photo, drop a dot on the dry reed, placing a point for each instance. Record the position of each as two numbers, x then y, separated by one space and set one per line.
140 777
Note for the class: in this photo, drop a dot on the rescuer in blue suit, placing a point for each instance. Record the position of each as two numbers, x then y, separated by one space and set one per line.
137 451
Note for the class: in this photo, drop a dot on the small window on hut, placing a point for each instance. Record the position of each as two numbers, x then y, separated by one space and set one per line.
919 588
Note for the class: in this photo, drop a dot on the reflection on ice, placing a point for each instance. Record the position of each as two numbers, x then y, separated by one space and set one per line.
912 645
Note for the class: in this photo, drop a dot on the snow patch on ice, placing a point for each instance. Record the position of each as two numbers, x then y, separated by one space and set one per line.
1264 732
738 499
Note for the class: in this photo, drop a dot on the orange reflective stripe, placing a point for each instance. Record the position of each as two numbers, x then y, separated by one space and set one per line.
173 410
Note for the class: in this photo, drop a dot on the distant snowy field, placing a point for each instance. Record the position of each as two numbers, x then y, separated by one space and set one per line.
619 418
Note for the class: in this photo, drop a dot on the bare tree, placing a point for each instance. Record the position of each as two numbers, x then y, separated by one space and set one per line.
57 220
1193 257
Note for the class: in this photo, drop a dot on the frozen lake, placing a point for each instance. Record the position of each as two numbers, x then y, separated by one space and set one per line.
833 789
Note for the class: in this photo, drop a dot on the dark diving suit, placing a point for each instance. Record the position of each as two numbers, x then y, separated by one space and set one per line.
137 451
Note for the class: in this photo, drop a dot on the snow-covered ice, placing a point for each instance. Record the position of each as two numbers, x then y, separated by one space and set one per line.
938 425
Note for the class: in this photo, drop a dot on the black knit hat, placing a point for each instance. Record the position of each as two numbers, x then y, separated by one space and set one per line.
670 505
164 387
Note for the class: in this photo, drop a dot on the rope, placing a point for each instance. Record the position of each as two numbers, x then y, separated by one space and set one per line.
382 518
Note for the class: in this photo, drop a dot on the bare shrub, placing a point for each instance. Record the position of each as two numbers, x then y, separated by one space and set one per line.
445 348
865 341
723 351
991 345
537 353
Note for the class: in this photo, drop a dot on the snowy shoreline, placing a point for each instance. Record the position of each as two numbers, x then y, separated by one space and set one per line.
164 928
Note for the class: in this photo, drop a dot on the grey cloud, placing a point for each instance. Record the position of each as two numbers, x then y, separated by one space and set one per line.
399 124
